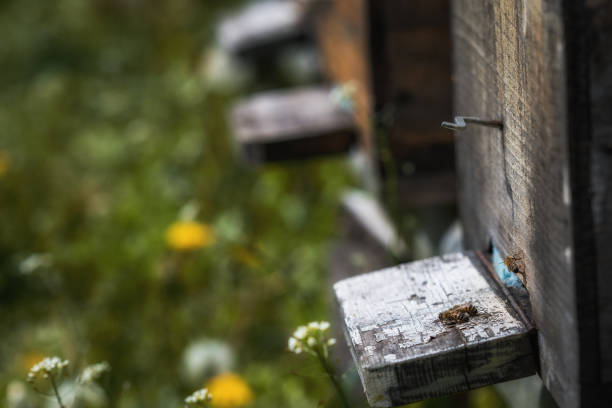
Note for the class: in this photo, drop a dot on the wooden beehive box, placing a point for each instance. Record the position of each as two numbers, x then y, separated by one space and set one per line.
539 189
543 67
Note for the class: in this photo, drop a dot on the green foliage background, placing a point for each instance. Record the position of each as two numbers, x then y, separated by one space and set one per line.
110 129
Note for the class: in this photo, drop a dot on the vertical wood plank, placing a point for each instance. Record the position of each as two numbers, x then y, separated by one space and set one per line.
588 31
601 100
509 64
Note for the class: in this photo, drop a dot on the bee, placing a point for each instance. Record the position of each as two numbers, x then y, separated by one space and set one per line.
458 314
516 263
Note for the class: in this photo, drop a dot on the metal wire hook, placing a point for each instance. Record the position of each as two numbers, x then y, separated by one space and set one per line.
461 122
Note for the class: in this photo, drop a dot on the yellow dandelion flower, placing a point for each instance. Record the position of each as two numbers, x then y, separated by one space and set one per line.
189 235
229 390
4 163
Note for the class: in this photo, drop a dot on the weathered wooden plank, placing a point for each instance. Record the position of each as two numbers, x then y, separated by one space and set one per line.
366 241
404 352
282 125
588 33
601 171
508 64
534 187
261 25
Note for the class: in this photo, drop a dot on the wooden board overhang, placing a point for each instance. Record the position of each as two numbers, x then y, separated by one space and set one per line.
292 124
263 27
404 353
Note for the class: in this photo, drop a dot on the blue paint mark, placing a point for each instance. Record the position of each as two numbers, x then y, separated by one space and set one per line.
508 278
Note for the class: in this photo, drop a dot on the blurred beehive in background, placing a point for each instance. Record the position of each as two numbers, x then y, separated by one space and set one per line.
391 58
385 84
398 54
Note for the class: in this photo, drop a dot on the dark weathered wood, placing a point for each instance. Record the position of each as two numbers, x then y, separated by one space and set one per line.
601 97
411 55
283 125
588 30
429 188
398 54
262 26
541 185
404 352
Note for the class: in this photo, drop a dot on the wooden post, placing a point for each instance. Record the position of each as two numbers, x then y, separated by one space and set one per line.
541 186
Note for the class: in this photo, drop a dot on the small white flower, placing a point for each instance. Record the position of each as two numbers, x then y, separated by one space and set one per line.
49 366
310 338
93 372
301 332
34 262
204 358
199 398
17 395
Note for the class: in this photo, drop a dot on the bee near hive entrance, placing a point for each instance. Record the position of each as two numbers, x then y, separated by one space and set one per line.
457 314
516 263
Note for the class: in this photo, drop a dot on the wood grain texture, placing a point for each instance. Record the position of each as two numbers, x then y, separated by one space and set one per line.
262 25
282 125
508 64
404 353
539 185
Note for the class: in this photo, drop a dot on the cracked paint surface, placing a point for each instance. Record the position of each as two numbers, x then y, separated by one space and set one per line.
392 325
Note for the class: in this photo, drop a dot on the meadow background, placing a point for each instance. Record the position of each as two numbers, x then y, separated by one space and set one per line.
112 132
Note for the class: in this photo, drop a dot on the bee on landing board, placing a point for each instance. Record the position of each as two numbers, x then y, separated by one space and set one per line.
516 263
458 314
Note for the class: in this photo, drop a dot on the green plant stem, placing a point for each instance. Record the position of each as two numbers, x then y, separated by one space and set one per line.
332 376
59 399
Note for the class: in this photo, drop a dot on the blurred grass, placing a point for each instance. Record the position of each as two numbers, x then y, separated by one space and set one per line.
108 129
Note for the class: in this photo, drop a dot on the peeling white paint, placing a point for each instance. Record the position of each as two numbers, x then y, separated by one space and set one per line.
387 329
